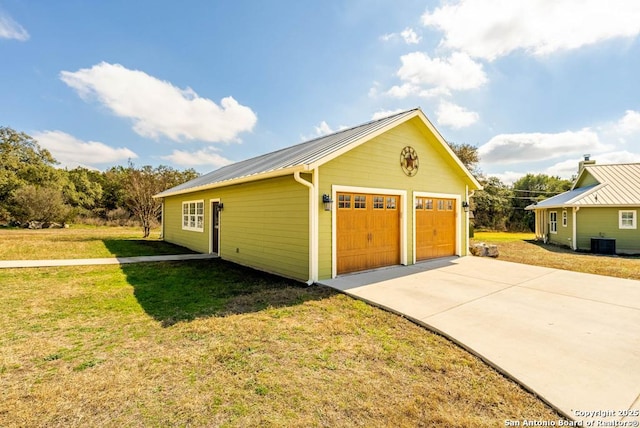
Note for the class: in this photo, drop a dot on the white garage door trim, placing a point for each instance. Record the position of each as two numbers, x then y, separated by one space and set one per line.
458 216
402 204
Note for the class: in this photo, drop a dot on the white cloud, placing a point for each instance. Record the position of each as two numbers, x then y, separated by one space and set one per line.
531 147
10 29
410 37
373 91
490 29
455 116
159 108
205 156
388 36
509 177
566 149
403 91
569 168
72 152
426 76
630 123
622 156
565 169
380 114
323 129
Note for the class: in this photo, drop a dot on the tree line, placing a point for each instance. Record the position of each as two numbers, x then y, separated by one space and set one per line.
499 206
33 192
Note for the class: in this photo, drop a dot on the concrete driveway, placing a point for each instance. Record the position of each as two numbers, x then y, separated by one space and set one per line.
571 338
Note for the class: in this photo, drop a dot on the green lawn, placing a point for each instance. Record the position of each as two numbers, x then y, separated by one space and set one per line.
209 343
81 242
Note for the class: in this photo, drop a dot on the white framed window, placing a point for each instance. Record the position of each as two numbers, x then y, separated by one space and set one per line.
564 218
553 221
193 216
627 219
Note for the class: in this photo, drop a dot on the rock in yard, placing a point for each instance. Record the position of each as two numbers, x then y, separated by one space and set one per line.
484 250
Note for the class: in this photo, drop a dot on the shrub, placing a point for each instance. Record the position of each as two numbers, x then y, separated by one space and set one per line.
40 204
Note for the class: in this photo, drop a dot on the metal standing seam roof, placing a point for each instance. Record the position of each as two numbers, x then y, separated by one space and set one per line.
299 155
566 198
619 185
622 185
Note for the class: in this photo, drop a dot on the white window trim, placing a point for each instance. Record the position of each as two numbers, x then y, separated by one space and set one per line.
634 220
564 218
551 223
189 228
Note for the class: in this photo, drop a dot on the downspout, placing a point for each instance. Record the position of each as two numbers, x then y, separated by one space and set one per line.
574 243
313 224
466 225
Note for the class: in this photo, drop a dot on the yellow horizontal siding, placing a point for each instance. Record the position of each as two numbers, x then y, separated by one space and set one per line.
264 224
173 232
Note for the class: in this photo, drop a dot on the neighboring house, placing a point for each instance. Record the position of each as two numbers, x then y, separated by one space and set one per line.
601 209
388 192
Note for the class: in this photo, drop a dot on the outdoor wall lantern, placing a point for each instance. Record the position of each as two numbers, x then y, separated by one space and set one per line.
327 202
465 206
220 207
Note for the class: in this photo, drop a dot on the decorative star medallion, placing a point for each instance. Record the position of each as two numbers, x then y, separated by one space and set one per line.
409 161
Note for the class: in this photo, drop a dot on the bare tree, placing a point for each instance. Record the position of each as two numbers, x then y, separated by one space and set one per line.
141 184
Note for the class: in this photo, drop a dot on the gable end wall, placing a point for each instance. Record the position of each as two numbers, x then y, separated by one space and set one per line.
376 164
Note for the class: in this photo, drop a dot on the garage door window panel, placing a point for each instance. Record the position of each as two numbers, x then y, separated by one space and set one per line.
391 203
344 201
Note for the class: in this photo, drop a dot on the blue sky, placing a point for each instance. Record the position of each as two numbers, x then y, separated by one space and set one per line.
535 84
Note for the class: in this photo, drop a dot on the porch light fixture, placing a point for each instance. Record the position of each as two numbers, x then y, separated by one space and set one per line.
465 206
220 207
327 202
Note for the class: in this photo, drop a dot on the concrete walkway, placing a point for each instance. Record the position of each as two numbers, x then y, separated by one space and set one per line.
571 338
104 261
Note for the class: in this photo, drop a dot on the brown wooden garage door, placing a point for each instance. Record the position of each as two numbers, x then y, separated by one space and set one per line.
435 227
368 231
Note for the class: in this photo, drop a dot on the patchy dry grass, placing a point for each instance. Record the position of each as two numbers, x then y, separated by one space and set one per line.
495 237
208 343
81 242
522 248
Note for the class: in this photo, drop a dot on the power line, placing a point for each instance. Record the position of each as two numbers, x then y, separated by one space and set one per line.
537 191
